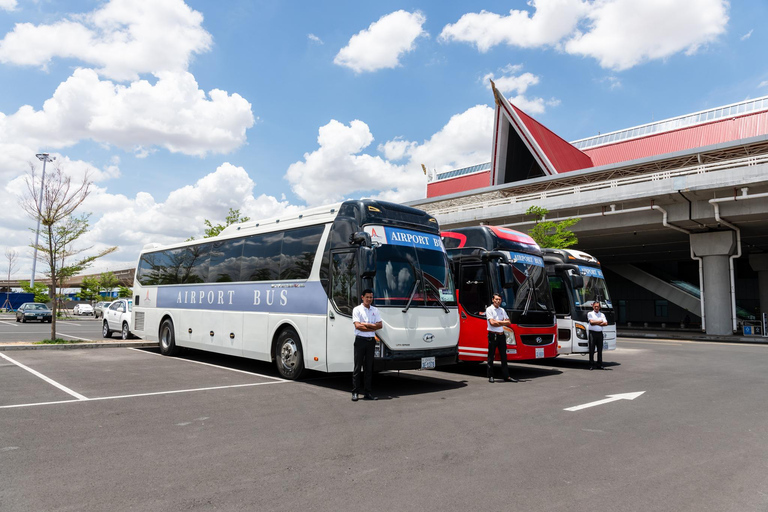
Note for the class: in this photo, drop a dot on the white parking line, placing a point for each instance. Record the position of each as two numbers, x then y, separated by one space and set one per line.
213 365
46 379
75 337
7 323
144 394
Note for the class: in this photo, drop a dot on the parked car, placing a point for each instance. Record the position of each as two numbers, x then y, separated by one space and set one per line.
34 311
117 317
83 309
99 307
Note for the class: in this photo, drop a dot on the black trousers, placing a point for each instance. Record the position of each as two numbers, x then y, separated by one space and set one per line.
596 342
363 359
497 340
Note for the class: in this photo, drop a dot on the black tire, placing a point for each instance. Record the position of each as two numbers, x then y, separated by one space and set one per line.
23 319
125 333
17 319
167 339
105 330
289 356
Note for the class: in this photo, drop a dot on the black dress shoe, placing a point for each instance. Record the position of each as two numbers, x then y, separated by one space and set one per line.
369 396
490 379
354 397
510 379
601 367
591 367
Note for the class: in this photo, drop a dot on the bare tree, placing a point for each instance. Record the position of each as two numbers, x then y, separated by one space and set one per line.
60 227
12 255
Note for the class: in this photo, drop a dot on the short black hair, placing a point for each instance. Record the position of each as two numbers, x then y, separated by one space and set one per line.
497 295
366 292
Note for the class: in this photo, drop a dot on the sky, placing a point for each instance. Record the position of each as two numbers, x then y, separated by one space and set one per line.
178 111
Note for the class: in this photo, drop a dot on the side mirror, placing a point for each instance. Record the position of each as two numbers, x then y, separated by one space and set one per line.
367 261
360 238
577 282
507 276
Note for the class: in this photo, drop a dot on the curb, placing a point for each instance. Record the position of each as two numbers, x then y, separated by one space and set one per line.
72 346
756 340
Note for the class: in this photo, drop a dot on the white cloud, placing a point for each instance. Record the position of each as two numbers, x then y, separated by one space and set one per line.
8 5
382 44
314 39
625 33
518 85
124 38
551 21
620 34
764 83
747 35
173 113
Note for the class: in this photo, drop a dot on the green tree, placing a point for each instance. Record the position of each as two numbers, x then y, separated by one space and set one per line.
108 281
90 289
59 226
233 217
551 234
124 292
40 290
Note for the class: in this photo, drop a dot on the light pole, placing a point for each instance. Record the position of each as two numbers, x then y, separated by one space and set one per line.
44 157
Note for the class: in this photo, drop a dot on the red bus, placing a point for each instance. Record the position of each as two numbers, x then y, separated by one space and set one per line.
487 260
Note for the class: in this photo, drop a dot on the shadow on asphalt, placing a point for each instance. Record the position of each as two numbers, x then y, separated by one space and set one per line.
517 370
386 385
581 363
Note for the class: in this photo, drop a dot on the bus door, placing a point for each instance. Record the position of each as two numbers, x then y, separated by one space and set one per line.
344 296
562 302
474 297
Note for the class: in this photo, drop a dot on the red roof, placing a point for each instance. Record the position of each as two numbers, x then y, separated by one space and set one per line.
560 153
716 132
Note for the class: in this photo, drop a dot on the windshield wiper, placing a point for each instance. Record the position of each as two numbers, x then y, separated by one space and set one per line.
528 300
413 294
437 294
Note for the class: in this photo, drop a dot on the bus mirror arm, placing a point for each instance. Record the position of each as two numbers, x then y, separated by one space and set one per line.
360 238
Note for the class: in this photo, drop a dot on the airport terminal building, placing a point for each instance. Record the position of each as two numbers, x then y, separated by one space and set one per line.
675 210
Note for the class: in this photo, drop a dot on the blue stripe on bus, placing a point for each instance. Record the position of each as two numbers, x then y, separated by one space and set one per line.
298 298
413 239
591 272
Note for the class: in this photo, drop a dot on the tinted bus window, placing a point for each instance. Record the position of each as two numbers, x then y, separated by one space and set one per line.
344 282
224 266
298 252
473 290
195 266
261 257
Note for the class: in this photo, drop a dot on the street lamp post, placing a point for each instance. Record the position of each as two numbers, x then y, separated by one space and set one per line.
44 157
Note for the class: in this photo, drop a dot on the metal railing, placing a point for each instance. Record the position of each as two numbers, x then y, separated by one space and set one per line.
599 185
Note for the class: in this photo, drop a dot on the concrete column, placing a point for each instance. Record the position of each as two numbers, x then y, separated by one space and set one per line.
714 249
759 263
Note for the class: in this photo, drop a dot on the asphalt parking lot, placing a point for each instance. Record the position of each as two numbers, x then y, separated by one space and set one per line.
127 429
75 328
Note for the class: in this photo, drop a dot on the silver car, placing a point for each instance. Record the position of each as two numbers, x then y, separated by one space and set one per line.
99 307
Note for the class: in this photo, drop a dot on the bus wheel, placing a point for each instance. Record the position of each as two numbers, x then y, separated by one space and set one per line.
105 330
167 339
288 355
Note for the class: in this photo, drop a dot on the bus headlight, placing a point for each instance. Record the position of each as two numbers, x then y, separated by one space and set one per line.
581 332
510 335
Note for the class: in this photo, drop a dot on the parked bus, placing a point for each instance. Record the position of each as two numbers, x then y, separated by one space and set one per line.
577 281
487 260
283 289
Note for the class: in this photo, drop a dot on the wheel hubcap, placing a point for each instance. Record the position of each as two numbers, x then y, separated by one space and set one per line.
289 354
164 338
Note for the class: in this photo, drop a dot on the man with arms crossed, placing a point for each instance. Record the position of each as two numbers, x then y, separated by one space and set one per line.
497 318
596 322
367 321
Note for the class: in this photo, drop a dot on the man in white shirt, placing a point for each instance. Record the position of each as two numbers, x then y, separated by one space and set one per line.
497 318
597 321
367 321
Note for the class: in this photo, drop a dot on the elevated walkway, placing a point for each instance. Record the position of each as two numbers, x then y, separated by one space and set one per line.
679 294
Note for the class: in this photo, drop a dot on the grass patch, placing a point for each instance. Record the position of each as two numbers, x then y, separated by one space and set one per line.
57 341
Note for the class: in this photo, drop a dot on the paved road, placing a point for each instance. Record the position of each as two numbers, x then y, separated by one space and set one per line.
74 328
131 430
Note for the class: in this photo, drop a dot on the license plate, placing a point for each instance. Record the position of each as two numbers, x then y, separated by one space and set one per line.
539 353
39 317
511 351
427 363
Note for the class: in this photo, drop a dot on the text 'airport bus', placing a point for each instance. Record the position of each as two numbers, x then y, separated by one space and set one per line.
577 281
283 289
487 260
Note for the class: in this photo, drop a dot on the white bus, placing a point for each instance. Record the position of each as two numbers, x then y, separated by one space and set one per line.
283 289
576 281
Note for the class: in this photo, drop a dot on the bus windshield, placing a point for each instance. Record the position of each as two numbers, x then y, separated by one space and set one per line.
404 272
594 289
529 290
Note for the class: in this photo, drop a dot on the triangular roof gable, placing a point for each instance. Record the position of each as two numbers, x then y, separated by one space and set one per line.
553 154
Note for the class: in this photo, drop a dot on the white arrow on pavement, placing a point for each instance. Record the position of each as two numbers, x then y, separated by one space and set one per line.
611 398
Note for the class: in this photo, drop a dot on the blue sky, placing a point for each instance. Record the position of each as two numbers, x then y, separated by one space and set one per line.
180 110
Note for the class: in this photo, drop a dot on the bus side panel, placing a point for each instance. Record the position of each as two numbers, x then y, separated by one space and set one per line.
568 337
340 342
257 337
473 337
315 343
609 337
